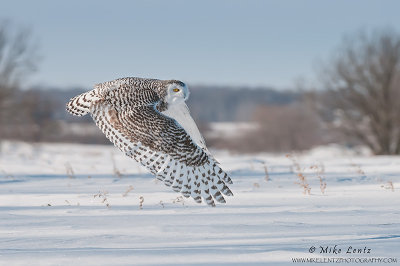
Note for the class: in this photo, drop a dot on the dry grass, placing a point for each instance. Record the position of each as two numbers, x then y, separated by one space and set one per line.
69 203
69 170
358 169
320 171
116 171
130 188
179 199
266 172
103 196
388 185
141 200
298 171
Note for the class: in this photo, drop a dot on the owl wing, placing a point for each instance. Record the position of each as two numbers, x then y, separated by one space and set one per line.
163 146
180 112
120 93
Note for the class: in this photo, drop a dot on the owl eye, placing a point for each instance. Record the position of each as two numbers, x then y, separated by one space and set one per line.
176 90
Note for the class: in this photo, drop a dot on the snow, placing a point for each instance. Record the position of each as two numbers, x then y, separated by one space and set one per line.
230 129
49 217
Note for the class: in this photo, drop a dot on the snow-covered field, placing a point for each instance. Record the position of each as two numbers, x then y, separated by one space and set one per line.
64 204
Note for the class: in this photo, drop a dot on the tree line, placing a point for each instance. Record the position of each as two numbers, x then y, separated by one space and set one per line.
355 102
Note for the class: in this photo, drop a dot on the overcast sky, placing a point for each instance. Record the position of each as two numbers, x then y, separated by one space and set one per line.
270 43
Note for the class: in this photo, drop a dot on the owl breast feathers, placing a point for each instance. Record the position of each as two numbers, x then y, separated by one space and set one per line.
148 120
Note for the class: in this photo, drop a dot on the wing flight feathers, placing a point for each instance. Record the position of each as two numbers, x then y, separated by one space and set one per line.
168 144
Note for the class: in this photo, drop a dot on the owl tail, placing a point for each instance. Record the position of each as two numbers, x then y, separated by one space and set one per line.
80 105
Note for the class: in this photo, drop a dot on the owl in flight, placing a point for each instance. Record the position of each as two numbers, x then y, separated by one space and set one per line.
148 120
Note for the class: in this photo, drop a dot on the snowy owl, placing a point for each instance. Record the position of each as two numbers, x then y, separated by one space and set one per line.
148 120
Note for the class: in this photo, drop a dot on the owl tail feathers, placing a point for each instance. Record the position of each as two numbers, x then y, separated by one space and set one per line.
80 105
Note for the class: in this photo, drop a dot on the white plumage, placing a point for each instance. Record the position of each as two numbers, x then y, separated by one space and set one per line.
180 112
148 120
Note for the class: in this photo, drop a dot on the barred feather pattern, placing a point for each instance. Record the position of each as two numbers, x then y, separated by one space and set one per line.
128 112
80 105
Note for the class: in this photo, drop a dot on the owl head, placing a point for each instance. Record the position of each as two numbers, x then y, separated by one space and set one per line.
177 92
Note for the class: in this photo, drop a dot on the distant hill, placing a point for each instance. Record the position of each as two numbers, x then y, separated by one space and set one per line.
207 103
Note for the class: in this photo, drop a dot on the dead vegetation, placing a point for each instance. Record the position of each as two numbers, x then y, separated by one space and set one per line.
319 172
277 128
389 185
69 170
69 203
358 169
363 83
179 199
141 200
130 188
298 171
103 196
116 171
266 172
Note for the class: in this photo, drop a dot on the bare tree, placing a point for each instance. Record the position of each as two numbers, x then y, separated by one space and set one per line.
17 54
18 58
364 83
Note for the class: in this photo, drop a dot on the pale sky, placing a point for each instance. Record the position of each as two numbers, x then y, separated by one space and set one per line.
254 43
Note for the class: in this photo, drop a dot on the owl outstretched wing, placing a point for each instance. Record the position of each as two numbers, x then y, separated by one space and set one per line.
180 112
157 141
